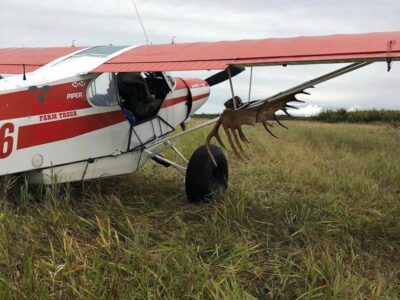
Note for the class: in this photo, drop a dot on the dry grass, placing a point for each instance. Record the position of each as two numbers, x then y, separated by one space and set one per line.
315 214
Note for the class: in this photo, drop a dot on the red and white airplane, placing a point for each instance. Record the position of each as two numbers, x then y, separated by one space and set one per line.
64 116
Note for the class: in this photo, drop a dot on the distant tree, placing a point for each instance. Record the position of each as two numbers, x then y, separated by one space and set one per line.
361 116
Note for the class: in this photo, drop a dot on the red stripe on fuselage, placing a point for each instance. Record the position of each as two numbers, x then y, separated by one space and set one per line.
199 97
24 104
27 103
43 133
175 101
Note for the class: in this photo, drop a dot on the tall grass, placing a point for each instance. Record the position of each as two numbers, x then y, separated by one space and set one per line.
362 116
315 214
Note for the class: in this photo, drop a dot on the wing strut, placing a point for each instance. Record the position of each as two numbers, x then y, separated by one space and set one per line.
251 83
311 83
232 91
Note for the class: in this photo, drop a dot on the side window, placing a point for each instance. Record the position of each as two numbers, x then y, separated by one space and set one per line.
103 91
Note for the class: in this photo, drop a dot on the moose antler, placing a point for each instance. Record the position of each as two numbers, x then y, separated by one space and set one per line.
261 111
248 114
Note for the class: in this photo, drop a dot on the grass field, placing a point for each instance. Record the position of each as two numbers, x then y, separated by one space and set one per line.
315 214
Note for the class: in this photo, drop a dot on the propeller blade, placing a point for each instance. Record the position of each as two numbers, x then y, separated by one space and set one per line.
222 76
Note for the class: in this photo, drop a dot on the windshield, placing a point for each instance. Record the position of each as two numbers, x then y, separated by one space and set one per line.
99 51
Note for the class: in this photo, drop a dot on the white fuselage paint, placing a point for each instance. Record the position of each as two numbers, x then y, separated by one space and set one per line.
104 152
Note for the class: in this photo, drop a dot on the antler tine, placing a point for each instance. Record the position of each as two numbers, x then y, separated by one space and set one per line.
304 92
217 136
286 112
269 131
290 106
242 136
301 92
213 133
297 100
276 119
228 134
238 143
269 124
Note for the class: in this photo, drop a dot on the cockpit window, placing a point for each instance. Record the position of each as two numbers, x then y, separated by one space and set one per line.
103 91
99 51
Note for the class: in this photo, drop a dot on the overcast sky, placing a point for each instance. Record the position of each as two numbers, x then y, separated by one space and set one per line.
97 22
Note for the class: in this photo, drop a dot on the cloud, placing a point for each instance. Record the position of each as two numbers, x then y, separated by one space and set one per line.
306 111
57 23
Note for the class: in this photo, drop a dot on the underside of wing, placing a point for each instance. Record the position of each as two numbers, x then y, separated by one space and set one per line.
12 60
274 51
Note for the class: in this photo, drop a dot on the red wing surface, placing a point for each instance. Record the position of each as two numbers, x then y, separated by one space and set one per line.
13 59
272 51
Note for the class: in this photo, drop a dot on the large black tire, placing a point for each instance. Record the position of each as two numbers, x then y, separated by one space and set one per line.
203 178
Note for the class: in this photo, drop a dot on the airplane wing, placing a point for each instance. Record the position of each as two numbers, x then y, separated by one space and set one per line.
274 51
13 59
219 55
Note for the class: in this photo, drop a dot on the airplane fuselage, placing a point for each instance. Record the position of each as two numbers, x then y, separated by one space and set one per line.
50 128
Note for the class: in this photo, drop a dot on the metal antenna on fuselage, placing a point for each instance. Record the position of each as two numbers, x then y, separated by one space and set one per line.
141 23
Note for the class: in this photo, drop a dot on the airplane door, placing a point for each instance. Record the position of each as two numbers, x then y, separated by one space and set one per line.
141 96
